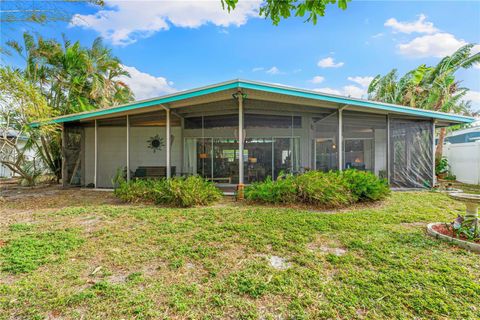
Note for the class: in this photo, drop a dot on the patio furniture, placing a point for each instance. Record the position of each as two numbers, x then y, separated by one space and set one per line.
152 172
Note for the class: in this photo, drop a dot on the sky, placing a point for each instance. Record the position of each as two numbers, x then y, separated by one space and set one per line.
169 46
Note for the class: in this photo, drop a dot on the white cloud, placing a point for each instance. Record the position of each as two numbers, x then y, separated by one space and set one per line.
256 69
348 91
378 35
329 62
145 85
474 97
273 70
317 79
363 81
419 26
124 22
328 90
434 45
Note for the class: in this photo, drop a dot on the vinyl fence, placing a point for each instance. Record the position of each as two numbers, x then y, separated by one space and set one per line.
464 160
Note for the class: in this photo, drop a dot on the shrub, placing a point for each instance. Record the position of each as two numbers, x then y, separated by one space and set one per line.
180 192
135 190
326 189
323 188
283 190
365 186
186 192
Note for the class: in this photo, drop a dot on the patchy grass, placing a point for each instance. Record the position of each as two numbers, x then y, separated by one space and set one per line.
140 261
26 252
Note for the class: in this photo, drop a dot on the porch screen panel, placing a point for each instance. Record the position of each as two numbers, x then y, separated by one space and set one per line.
272 143
411 153
73 155
324 133
365 142
112 151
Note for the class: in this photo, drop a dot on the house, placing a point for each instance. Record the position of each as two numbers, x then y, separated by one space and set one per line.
238 132
462 150
463 135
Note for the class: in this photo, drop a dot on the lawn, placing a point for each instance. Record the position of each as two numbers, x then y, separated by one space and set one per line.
98 258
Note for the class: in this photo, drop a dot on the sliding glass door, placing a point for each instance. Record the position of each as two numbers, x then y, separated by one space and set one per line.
217 159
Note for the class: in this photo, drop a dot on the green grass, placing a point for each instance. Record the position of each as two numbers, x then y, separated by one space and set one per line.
211 263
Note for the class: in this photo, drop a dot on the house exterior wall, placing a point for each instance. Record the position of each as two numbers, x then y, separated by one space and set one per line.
112 151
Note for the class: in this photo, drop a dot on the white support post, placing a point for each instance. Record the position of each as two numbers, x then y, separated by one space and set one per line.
340 138
433 154
389 152
64 158
95 171
240 140
168 149
128 147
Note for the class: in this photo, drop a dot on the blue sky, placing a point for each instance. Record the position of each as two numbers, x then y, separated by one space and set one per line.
176 45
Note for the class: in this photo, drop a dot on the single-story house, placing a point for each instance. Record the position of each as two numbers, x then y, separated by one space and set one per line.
238 132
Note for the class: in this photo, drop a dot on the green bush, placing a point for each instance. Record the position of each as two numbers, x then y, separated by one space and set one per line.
179 192
365 186
326 189
186 192
135 190
283 190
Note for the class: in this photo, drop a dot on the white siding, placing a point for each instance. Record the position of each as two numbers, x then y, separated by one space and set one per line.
464 160
112 151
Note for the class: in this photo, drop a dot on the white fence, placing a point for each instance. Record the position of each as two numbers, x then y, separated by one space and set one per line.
464 160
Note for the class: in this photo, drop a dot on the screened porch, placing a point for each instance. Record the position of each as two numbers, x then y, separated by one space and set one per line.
243 138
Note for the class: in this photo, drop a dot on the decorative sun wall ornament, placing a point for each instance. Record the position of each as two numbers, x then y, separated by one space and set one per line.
155 143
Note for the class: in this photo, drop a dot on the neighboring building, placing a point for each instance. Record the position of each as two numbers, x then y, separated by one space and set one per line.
241 131
462 149
463 136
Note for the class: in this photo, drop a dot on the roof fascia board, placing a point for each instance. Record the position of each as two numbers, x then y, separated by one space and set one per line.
147 103
354 102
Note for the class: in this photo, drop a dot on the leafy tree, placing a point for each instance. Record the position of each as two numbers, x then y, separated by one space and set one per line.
39 11
20 104
277 10
72 79
433 88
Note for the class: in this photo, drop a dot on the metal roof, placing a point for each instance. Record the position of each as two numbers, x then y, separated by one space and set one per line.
265 87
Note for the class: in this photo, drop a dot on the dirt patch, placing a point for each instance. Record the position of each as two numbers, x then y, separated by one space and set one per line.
279 263
51 196
327 246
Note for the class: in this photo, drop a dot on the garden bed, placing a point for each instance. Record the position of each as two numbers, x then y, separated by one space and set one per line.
440 231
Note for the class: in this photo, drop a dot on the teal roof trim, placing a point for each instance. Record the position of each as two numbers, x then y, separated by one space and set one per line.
142 104
266 88
356 102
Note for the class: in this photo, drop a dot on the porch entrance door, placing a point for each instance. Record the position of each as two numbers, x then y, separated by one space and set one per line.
325 155
259 164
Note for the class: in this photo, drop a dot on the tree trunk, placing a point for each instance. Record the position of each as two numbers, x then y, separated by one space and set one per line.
439 148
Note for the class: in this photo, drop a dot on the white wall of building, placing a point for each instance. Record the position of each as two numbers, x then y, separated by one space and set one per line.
112 151
464 160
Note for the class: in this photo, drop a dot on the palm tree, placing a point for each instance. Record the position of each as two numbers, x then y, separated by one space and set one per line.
73 79
445 93
432 88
